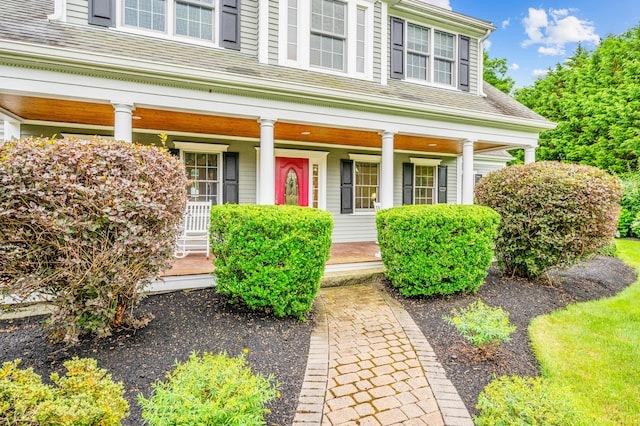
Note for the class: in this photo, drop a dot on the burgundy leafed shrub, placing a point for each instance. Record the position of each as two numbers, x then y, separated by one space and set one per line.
552 214
86 223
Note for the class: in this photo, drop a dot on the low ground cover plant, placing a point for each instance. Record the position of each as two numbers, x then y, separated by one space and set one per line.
86 224
85 395
553 214
484 326
270 258
209 390
436 249
527 401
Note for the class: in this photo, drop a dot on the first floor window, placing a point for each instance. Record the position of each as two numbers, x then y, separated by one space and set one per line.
425 185
202 171
366 185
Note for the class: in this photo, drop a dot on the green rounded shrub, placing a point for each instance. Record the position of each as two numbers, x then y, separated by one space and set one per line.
87 224
212 390
553 214
270 257
523 401
86 395
436 249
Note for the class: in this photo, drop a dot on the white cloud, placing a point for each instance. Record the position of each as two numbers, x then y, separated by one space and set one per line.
441 3
514 67
506 23
539 73
486 44
554 30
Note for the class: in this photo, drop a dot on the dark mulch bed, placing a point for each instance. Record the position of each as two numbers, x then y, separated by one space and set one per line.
184 322
594 279
200 320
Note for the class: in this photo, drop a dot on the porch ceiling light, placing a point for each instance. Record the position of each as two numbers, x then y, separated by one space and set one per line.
305 133
136 117
433 144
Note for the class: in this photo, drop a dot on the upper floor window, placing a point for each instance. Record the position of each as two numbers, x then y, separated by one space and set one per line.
427 54
334 35
193 19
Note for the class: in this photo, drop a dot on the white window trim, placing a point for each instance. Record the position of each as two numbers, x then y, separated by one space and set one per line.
433 162
304 38
364 158
314 157
428 162
431 57
207 148
169 32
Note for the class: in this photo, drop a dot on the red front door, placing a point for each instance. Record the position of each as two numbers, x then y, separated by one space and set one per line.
292 181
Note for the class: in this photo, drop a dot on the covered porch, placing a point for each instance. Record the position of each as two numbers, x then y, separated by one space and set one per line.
343 257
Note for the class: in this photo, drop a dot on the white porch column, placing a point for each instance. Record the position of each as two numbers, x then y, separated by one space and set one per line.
467 172
386 174
530 154
267 177
122 127
11 130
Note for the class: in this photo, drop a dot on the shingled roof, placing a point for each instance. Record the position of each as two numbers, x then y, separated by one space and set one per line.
27 22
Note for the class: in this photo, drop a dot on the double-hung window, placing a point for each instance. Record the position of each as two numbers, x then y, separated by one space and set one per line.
422 53
329 35
188 18
424 181
208 21
359 183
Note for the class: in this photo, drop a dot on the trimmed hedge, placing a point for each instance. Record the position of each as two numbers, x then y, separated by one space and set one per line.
212 390
552 214
270 257
87 223
85 395
436 249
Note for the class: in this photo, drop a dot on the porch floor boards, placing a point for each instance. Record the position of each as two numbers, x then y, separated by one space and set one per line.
341 253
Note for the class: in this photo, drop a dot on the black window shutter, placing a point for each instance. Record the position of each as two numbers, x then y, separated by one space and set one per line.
407 183
230 177
230 24
476 178
463 63
174 151
346 186
102 12
397 48
442 184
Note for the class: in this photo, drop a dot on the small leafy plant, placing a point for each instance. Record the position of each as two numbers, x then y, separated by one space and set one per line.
527 401
209 390
482 325
86 395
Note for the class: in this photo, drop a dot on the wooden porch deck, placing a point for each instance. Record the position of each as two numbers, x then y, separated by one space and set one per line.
341 254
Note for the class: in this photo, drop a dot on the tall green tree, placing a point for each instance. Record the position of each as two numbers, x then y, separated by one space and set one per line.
595 99
495 73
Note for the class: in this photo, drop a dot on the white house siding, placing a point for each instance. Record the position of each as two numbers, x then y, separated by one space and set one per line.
248 27
484 167
78 12
377 41
247 183
273 31
452 178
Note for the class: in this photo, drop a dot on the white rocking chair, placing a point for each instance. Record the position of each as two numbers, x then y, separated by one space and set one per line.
194 237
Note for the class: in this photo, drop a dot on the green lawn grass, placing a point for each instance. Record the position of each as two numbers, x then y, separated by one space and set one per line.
594 348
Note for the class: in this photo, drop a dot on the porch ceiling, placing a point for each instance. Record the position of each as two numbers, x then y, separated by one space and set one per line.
70 112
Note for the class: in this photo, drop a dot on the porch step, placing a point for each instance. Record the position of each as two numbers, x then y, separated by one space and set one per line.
365 274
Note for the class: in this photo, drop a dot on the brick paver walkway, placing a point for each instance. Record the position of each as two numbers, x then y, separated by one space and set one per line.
369 364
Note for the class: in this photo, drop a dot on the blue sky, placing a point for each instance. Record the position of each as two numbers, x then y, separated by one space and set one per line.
534 35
